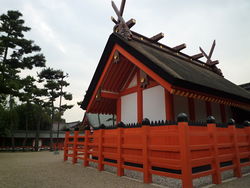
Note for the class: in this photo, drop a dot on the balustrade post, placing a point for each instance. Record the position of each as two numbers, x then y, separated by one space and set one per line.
66 147
211 125
247 127
86 149
236 157
185 155
100 149
120 170
147 176
74 157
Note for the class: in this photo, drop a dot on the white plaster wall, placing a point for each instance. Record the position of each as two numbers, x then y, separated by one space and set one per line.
180 105
133 82
200 110
129 108
216 111
154 103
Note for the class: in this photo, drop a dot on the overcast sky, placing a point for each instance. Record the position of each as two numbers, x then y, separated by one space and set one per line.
73 33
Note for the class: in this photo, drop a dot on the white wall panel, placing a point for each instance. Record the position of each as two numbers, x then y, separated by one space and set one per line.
180 105
129 108
154 103
216 111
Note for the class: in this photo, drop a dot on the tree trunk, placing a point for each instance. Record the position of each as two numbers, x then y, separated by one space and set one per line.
37 133
58 123
12 140
4 59
51 127
3 143
26 131
26 124
12 124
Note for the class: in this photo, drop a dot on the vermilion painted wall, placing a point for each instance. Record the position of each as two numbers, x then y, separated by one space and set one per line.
200 110
154 106
180 105
216 111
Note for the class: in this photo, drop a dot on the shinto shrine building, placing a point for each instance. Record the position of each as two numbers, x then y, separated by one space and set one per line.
138 77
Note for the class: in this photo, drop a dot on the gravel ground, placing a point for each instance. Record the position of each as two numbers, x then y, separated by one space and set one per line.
44 169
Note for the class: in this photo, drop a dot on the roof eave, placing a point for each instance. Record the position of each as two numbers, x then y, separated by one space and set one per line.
166 76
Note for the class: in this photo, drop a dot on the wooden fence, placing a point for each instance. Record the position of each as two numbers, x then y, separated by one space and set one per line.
183 150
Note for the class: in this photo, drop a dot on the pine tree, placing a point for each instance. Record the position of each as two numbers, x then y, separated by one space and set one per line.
16 54
31 95
54 83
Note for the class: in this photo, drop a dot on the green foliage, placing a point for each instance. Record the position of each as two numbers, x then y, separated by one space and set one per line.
8 121
16 54
35 114
54 83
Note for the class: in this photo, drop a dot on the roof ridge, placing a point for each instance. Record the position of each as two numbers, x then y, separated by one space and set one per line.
164 48
123 29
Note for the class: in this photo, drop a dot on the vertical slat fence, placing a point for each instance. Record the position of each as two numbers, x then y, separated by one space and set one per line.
181 150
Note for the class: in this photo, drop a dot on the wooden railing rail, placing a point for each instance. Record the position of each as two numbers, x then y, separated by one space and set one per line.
178 151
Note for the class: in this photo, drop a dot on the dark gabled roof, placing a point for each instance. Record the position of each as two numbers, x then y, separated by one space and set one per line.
176 69
245 86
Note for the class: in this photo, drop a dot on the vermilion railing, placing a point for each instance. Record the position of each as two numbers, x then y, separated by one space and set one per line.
178 151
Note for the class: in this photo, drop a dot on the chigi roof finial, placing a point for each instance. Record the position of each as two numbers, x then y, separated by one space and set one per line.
122 27
209 62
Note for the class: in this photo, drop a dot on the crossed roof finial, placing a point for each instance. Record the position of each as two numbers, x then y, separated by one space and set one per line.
122 27
209 62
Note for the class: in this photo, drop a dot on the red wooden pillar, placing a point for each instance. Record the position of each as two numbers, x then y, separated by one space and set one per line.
208 108
236 160
169 105
139 100
185 153
100 150
118 109
120 170
191 109
223 113
66 147
147 176
86 142
216 163
139 105
248 135
74 158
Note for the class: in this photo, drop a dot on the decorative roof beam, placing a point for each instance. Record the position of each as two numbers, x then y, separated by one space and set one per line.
109 95
114 20
121 27
157 37
212 63
122 7
179 47
131 23
197 56
209 62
